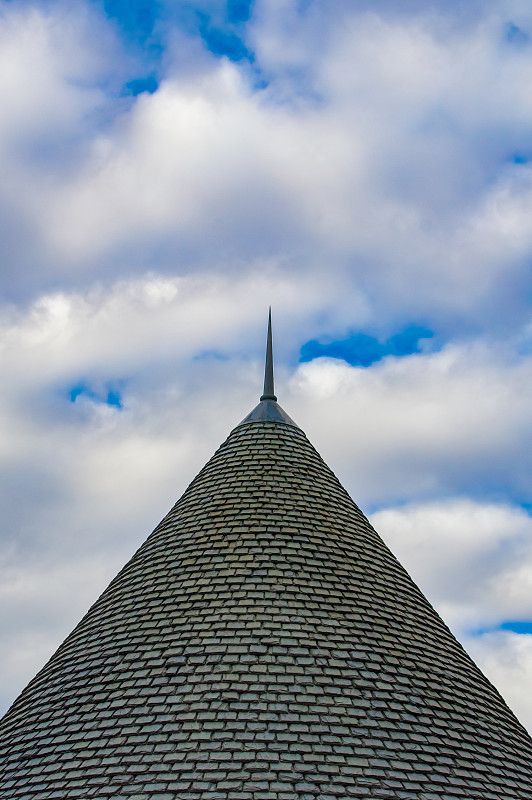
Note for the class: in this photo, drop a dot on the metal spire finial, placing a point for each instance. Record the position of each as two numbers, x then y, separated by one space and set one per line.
269 393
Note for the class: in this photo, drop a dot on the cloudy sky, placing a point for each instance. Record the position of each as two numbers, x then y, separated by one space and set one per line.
168 169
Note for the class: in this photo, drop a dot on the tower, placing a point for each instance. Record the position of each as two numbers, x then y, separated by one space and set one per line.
263 644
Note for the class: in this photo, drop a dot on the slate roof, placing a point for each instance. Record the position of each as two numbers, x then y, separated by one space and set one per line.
263 644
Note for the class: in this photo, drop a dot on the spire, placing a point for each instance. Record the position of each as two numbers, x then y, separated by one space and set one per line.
268 409
269 392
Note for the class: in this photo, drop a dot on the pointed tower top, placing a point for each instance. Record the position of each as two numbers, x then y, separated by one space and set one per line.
268 409
269 392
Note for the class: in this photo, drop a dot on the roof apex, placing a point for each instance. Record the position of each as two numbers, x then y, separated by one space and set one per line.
268 411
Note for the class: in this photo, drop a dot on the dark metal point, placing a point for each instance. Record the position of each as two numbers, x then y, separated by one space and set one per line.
268 409
269 391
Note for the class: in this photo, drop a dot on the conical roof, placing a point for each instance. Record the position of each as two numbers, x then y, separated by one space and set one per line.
263 644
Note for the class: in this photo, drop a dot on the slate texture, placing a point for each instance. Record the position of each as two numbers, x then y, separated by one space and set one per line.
263 644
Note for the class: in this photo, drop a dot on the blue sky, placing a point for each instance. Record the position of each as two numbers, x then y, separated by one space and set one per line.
169 170
362 350
144 28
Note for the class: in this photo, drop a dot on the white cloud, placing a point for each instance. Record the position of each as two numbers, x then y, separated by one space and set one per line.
427 425
506 659
49 73
385 167
472 559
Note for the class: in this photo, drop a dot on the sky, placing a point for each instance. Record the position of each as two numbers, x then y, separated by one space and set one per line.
169 169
